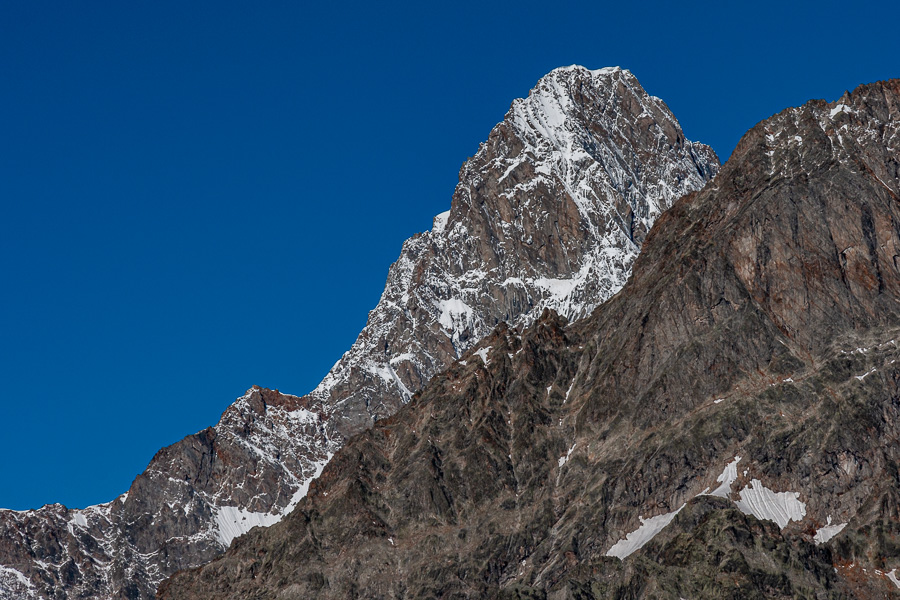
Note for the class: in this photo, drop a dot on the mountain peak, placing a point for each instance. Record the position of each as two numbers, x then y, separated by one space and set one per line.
548 215
595 72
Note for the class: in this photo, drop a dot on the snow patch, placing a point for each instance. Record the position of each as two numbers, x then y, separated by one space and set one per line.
389 375
892 575
867 373
608 70
557 288
564 459
510 169
304 486
639 537
763 503
728 476
440 222
823 534
839 109
406 356
455 314
512 281
232 521
756 499
78 519
483 353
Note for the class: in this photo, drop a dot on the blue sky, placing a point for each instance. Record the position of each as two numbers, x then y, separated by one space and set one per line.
198 197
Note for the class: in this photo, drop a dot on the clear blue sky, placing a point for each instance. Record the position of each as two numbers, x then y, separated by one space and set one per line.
201 196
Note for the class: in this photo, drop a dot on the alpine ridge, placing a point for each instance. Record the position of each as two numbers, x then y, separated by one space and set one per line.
726 426
550 213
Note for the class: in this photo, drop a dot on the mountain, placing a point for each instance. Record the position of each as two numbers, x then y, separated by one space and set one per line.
549 213
726 426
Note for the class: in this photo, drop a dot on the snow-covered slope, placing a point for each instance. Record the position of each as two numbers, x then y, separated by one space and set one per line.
549 213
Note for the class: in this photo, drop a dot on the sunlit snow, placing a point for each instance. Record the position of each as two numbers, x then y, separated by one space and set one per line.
823 534
763 503
639 537
728 476
839 109
564 459
892 575
455 314
12 580
483 353
440 222
233 521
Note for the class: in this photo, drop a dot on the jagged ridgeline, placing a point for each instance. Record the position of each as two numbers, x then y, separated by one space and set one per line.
726 426
549 213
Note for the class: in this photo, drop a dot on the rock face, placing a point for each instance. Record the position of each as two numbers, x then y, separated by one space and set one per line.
550 213
725 426
193 498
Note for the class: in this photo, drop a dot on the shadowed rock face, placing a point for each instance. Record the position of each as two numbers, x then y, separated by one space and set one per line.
549 213
743 388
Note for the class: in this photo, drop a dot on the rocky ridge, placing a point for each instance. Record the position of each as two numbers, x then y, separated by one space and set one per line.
725 426
186 507
549 213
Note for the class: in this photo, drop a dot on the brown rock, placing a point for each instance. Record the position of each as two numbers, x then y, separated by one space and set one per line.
761 321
